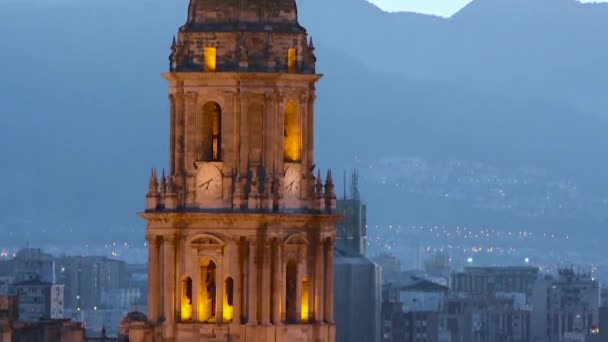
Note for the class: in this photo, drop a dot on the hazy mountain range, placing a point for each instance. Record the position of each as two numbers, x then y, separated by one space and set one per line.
507 83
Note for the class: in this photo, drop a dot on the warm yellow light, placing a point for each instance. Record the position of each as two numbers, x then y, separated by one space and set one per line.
291 142
228 312
186 302
291 59
210 59
228 300
305 297
186 309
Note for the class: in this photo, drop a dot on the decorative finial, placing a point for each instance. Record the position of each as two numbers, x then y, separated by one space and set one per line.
319 185
329 186
163 183
153 184
311 44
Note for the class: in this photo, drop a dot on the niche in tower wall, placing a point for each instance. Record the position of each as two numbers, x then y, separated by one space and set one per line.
211 144
291 282
207 305
291 134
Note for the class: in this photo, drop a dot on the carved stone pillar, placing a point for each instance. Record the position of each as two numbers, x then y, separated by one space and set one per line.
172 134
300 278
329 281
195 271
237 279
153 279
319 283
220 277
252 298
169 269
277 279
265 293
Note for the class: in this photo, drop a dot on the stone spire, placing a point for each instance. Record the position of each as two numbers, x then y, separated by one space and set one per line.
153 197
330 192
163 184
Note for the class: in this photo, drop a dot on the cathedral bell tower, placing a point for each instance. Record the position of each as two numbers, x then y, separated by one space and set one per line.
241 227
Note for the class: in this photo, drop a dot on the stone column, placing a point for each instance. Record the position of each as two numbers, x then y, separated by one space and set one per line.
265 293
190 128
319 283
299 278
252 299
304 128
220 277
281 106
153 278
269 130
169 290
238 278
172 135
309 149
276 282
329 281
195 271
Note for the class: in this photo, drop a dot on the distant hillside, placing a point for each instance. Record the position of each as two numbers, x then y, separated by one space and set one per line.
85 114
552 49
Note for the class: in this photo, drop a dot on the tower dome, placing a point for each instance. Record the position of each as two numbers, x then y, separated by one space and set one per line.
242 15
242 36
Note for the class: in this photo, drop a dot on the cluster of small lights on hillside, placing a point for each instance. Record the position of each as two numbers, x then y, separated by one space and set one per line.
468 233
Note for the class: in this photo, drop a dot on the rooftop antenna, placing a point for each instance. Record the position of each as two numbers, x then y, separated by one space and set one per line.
355 185
54 276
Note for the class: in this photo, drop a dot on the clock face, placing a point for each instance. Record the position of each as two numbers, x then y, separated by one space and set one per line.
209 181
292 181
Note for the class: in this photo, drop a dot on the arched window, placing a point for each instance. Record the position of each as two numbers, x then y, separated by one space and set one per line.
207 304
210 59
292 59
305 298
212 132
291 284
291 134
228 300
186 302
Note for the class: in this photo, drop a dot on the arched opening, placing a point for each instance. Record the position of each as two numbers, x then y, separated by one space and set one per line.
207 303
305 299
186 302
292 59
291 284
291 134
228 300
212 132
210 59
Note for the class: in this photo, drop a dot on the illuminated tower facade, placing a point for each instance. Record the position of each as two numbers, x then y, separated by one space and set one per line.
241 228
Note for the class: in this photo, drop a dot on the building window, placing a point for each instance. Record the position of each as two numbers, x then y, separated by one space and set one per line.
210 59
207 303
228 300
292 59
291 288
305 299
212 132
291 134
186 301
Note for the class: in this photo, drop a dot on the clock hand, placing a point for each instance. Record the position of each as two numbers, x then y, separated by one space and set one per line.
207 183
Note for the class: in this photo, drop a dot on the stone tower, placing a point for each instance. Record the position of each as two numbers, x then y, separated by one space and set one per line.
241 229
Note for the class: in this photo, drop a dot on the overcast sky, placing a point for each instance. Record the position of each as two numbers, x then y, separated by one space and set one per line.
443 8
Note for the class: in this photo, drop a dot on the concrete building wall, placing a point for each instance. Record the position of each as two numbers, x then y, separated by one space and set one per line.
358 297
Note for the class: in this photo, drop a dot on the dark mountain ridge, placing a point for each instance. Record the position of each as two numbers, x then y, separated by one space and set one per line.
85 110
